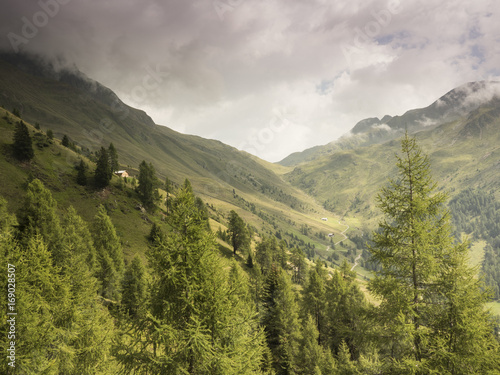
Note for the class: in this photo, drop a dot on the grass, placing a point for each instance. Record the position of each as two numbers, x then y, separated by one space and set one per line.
494 308
477 253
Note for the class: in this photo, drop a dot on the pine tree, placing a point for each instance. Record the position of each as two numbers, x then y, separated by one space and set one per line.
103 172
134 288
299 266
423 277
50 134
65 141
113 158
346 313
38 215
23 146
280 320
198 323
77 240
147 184
91 329
237 231
168 190
156 235
314 299
44 297
267 253
313 358
81 178
109 255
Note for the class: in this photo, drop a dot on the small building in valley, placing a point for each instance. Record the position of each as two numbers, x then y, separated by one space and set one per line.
121 173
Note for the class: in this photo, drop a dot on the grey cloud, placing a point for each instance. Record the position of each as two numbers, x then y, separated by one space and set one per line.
226 77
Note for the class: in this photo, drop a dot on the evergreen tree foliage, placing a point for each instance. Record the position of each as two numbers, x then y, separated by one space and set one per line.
168 190
424 284
156 235
346 313
16 112
65 141
238 232
266 253
38 215
113 158
147 184
299 266
314 299
23 146
198 323
77 240
280 320
92 328
44 306
103 172
81 177
109 255
50 134
313 358
134 288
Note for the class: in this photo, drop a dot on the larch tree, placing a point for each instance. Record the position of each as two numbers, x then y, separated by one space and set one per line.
92 328
197 324
109 255
134 288
423 277
237 232
38 215
280 319
314 299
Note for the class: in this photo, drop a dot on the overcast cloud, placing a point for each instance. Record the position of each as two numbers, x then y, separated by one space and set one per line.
270 77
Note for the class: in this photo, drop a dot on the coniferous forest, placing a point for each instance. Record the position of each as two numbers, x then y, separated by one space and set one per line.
185 308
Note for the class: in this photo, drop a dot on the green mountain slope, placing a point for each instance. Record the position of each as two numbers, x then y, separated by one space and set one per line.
452 106
92 116
464 153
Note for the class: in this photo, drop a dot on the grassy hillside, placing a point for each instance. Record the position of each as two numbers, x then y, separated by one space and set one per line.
463 153
92 116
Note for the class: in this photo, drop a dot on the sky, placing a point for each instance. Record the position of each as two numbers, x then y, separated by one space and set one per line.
267 77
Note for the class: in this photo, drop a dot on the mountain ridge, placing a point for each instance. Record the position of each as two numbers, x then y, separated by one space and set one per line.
449 107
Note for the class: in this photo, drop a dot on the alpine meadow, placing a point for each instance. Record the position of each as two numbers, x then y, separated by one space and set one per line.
211 245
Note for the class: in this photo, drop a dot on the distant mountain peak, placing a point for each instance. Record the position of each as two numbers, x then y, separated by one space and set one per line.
451 106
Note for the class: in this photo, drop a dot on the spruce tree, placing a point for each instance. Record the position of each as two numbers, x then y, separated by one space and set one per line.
23 146
103 172
424 285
